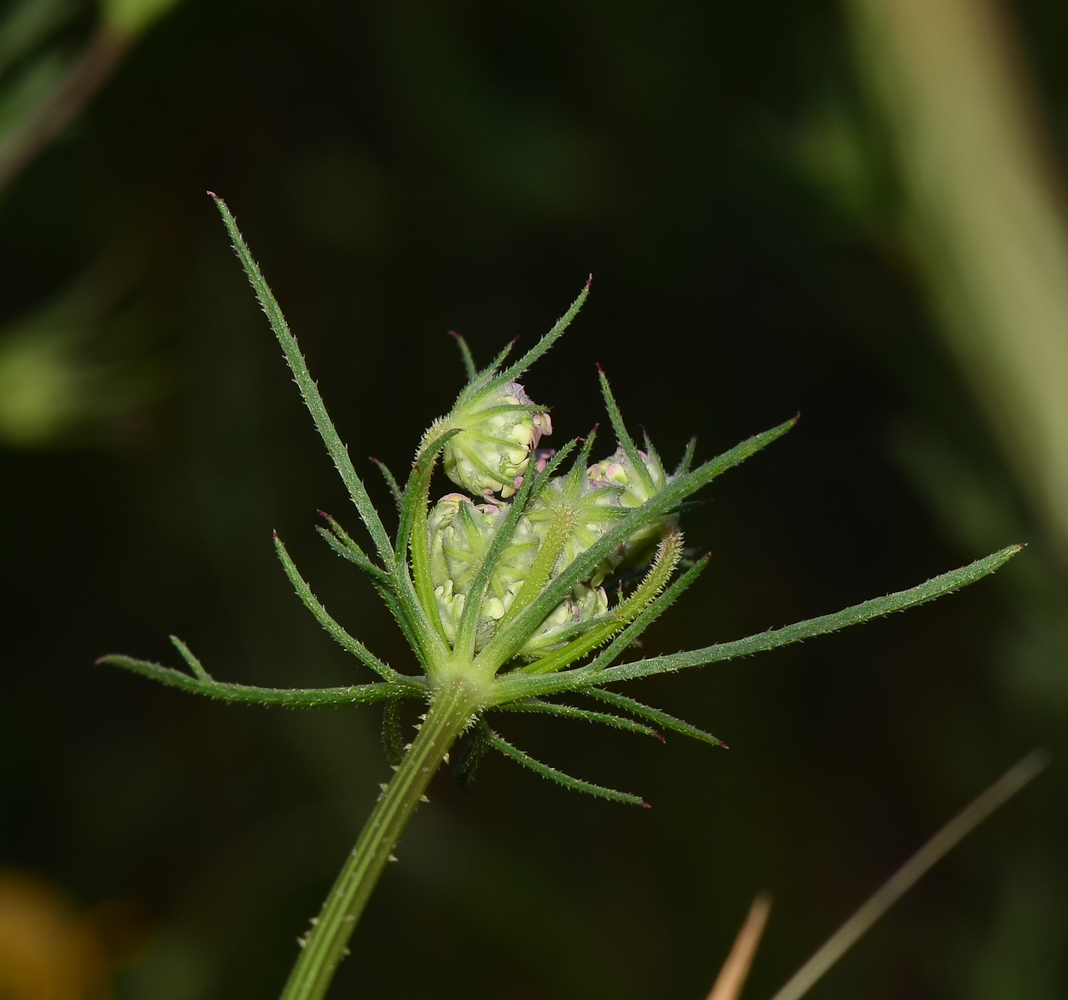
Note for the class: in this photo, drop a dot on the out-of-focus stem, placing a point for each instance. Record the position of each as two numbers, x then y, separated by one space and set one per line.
978 810
983 214
731 979
47 120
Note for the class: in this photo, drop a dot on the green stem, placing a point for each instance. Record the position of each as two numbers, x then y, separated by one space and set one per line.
451 711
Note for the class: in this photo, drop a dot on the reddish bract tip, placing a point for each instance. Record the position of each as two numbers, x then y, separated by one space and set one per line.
646 805
797 417
589 281
212 194
724 745
323 513
274 534
660 736
99 662
599 368
454 335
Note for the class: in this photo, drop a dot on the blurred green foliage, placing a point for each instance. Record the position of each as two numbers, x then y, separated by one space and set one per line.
405 168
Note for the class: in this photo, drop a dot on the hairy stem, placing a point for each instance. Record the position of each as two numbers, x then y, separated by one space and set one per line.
451 711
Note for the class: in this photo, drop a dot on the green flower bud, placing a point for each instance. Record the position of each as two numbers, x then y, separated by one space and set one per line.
633 487
460 534
492 450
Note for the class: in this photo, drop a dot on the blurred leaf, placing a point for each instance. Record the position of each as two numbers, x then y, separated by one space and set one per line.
129 18
28 24
73 370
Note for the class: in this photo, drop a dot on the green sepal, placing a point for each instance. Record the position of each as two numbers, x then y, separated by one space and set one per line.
406 621
519 367
416 496
384 582
323 617
468 359
191 661
537 706
575 784
654 715
391 483
405 687
652 453
475 385
338 539
308 389
417 596
487 381
515 686
626 442
687 458
877 607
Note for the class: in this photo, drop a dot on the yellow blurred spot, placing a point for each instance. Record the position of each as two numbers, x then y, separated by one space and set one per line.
52 950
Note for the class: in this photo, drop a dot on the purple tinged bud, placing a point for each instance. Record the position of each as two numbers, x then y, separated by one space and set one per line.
632 488
542 458
619 471
499 432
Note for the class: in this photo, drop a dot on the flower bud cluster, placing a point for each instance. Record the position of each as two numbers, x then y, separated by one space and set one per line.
636 486
488 456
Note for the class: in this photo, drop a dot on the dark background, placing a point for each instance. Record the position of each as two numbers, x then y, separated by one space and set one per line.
402 169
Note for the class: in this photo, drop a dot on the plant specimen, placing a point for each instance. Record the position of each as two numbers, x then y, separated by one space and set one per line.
532 584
